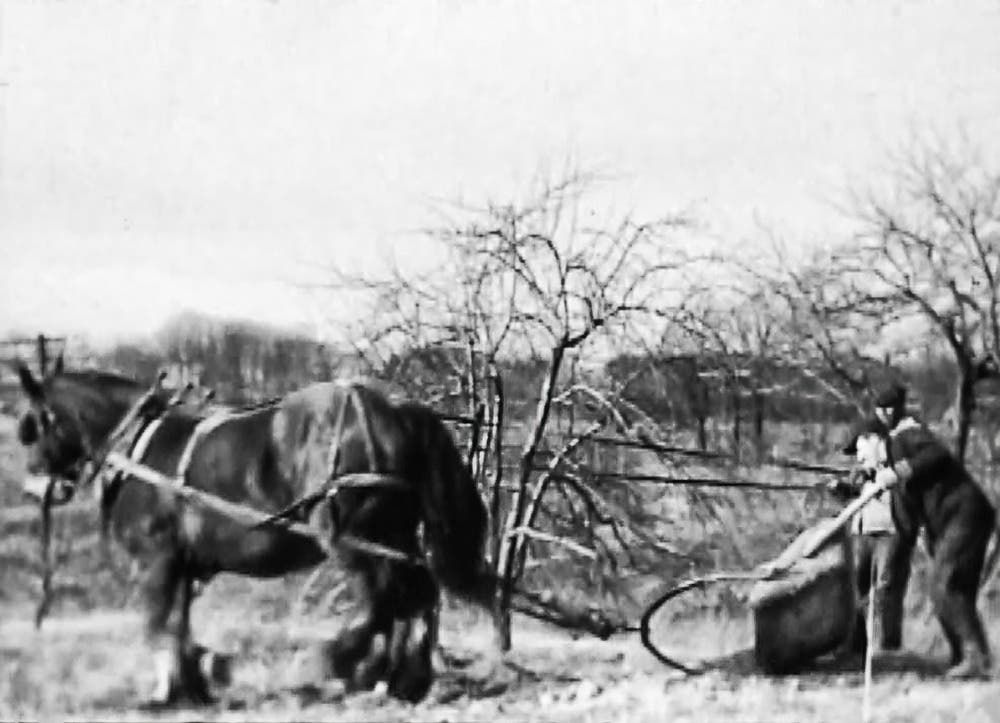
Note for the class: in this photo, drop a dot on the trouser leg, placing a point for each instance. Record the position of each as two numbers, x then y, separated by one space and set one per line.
892 573
863 579
958 562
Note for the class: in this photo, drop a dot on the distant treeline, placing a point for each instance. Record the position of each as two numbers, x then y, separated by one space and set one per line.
247 362
243 361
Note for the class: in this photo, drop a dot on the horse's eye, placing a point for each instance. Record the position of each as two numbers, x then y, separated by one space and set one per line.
27 429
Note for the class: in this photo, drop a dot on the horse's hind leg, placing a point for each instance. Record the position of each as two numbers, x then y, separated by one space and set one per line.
352 643
391 637
411 667
359 655
414 636
356 655
395 650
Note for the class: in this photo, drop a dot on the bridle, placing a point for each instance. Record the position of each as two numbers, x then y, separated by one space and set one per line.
49 427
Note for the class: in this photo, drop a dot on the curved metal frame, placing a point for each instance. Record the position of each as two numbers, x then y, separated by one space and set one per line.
687 585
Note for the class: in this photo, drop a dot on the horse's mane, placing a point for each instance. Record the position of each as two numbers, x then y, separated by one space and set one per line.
255 406
99 378
96 397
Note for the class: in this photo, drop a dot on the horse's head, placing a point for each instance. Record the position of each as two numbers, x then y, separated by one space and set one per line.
71 415
53 437
869 448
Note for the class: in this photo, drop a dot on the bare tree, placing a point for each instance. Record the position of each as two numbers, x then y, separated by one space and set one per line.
802 320
731 326
540 280
778 328
930 249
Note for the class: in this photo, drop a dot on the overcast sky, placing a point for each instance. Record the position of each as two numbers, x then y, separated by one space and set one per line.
160 155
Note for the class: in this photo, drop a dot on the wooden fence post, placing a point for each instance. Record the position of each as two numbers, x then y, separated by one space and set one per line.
43 357
46 554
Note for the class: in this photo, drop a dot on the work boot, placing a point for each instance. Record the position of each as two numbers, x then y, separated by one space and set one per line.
889 615
975 665
889 645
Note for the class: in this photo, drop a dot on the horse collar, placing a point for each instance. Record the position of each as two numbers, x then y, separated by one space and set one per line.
203 427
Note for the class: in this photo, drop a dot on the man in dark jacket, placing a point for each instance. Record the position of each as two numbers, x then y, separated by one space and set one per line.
936 492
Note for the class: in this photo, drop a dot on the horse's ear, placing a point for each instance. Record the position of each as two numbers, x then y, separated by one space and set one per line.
58 365
29 384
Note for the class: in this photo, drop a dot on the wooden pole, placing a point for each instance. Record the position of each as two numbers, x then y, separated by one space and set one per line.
866 706
46 551
43 359
845 515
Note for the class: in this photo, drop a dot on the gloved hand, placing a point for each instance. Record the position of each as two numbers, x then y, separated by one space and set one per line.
837 487
886 476
848 487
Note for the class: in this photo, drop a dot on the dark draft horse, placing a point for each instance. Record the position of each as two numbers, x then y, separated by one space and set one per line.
284 459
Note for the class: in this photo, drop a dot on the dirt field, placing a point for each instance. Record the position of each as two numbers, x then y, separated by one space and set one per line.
93 666
88 662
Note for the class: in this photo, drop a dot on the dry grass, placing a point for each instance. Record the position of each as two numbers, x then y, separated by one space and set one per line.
95 667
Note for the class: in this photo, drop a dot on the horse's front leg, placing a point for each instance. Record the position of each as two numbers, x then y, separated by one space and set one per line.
169 589
392 638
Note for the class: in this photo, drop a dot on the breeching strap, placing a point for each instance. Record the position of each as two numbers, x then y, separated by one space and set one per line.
334 483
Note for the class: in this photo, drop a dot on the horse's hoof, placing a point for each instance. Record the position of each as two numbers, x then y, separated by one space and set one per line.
411 672
371 668
194 689
196 695
189 689
216 668
154 705
411 689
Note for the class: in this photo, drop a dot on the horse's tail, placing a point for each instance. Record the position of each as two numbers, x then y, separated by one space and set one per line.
455 518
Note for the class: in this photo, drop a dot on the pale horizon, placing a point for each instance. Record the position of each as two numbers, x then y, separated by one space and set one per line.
163 157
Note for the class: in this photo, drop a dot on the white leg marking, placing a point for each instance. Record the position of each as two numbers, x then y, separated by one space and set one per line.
166 666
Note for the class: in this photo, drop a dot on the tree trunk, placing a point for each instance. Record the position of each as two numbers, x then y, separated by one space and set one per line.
501 606
737 404
962 409
509 544
702 433
699 406
758 424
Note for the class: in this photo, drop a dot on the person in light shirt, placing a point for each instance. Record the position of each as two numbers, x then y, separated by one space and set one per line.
882 554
